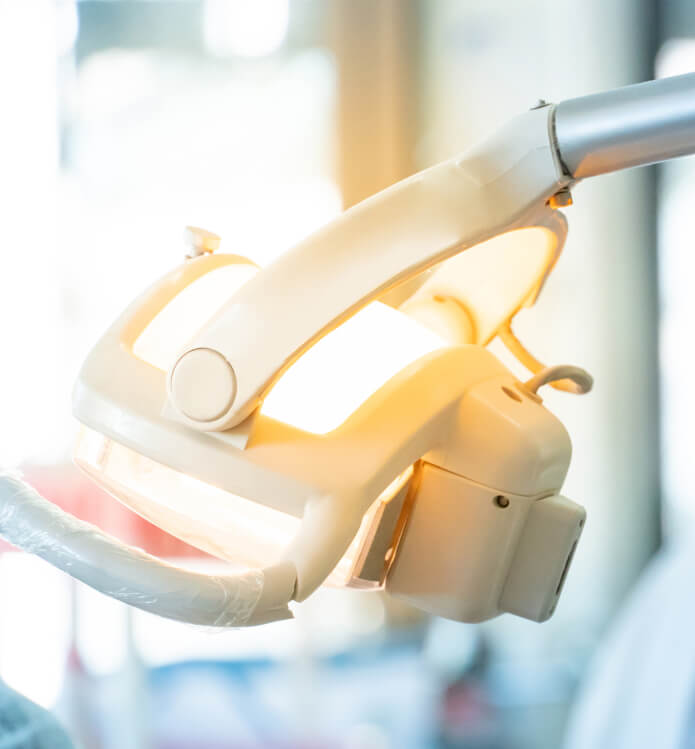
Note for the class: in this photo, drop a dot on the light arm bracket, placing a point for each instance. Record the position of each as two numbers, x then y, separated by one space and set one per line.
503 184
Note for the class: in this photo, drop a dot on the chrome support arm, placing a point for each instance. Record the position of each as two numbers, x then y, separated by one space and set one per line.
630 126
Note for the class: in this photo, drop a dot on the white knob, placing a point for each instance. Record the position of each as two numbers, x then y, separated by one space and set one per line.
203 385
199 241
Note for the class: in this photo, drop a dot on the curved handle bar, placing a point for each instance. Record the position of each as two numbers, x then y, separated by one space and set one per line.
33 524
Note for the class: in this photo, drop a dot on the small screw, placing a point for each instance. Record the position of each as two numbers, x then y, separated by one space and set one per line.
561 199
200 241
540 104
501 501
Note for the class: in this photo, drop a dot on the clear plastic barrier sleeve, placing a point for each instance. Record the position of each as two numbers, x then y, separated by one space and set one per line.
35 525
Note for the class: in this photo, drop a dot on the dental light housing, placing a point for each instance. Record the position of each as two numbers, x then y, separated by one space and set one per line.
336 417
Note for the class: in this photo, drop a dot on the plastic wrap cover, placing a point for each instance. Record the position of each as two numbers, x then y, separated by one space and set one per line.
33 524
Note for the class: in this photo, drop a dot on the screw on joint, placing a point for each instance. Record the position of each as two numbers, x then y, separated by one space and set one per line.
200 241
561 199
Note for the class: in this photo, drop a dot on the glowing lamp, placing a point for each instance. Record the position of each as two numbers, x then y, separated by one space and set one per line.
336 417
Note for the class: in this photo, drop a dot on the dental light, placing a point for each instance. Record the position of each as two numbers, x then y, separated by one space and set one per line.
336 417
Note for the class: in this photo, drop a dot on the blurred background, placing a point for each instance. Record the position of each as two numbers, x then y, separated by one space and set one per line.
121 121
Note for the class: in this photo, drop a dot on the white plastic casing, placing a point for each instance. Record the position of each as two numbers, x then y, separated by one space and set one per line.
485 533
543 557
446 413
470 554
502 184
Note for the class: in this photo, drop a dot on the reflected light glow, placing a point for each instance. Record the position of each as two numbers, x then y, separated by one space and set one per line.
223 524
67 25
34 626
244 28
493 279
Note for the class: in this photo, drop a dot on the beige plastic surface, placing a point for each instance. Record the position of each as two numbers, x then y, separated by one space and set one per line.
469 553
493 280
447 408
470 509
327 480
501 185
543 557
205 384
456 551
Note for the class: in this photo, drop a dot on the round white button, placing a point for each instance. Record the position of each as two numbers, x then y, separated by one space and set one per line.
203 385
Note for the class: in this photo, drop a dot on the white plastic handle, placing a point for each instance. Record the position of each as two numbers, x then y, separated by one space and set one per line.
33 524
502 184
579 377
579 383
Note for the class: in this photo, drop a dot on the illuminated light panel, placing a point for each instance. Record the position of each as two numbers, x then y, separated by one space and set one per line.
239 530
331 380
214 520
317 393
328 382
